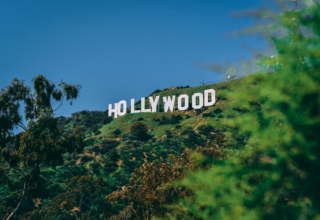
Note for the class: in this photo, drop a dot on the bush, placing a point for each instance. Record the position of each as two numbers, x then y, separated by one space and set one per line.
94 149
217 111
117 132
205 129
110 167
186 130
139 130
168 134
173 119
207 115
85 158
89 141
107 145
114 156
95 166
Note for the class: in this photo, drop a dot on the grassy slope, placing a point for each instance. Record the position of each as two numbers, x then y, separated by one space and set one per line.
113 157
123 123
134 151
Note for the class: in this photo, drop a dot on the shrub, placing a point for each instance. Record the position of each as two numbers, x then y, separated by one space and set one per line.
173 119
117 132
186 130
94 149
89 141
168 134
139 130
85 158
205 129
95 166
114 156
108 145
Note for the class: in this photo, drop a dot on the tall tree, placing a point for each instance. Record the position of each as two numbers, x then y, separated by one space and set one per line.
40 142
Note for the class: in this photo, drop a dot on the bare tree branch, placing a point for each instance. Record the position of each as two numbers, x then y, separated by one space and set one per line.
91 217
22 126
18 206
59 105
80 203
18 169
21 190
76 215
10 195
5 216
91 209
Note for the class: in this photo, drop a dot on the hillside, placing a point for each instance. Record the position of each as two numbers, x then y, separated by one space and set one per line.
113 150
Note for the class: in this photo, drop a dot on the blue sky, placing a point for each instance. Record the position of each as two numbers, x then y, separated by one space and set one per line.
117 50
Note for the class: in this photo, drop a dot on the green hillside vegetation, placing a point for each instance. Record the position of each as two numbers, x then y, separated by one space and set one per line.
169 132
112 151
253 155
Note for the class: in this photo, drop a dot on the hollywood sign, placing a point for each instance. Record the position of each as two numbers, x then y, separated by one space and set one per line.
198 100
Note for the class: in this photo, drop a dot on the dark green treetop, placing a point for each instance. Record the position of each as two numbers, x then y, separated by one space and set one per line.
40 142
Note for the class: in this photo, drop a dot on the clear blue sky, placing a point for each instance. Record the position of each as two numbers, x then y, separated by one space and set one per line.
119 49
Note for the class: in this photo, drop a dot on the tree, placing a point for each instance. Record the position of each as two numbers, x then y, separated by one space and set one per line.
82 200
40 142
151 187
275 176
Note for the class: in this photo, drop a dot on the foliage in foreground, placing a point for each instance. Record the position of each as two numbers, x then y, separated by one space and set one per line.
276 175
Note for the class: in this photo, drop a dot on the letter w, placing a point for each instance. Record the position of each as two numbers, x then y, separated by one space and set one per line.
168 103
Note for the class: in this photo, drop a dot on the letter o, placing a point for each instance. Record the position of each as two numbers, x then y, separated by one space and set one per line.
194 100
186 102
122 104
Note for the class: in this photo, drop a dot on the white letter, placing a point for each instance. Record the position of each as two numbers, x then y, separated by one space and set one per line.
154 103
115 110
143 106
186 102
124 108
194 100
132 107
168 103
206 97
